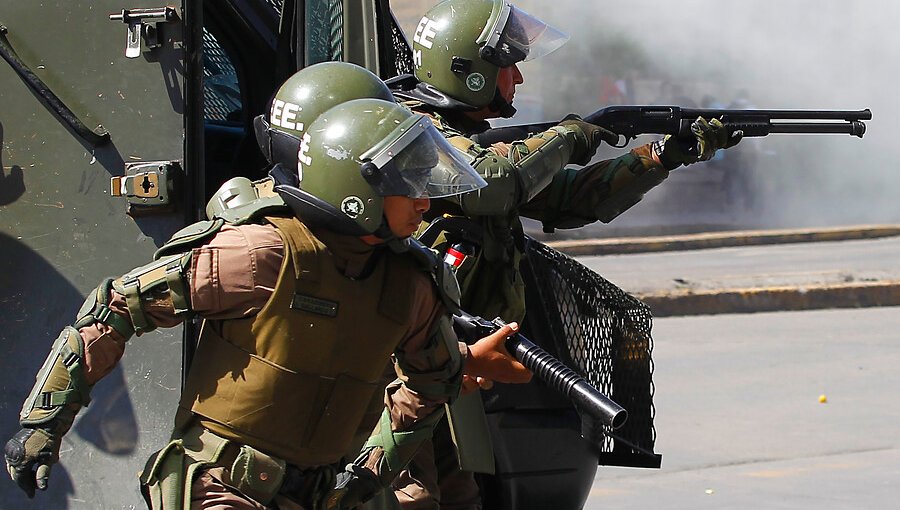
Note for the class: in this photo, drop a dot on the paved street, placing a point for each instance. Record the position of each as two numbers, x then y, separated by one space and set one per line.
753 266
739 420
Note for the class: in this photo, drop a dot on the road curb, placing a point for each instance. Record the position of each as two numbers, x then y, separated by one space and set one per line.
619 246
749 300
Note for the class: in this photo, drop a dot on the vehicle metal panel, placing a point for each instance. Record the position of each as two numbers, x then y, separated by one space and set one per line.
61 231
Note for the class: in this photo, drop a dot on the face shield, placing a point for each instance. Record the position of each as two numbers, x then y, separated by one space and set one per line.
418 162
517 36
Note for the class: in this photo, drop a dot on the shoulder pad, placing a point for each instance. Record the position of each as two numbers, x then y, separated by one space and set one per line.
189 237
240 201
255 211
443 276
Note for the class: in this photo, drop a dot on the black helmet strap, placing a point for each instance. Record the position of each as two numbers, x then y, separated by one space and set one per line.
502 106
277 146
318 213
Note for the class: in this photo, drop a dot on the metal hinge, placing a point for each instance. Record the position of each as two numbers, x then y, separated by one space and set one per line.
146 24
147 186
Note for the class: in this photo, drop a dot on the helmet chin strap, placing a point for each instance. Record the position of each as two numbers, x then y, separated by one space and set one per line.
383 231
502 106
396 244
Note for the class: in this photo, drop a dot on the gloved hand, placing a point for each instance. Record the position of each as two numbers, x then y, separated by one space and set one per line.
701 145
354 486
588 138
30 455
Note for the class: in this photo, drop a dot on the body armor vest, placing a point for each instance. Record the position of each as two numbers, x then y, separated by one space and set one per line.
295 380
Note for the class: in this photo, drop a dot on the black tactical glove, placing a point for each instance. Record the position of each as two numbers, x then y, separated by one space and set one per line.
354 486
701 145
588 138
30 455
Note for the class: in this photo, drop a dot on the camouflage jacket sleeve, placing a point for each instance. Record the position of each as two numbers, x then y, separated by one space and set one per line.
515 172
579 196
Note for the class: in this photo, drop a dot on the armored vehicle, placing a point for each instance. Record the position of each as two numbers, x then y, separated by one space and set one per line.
119 120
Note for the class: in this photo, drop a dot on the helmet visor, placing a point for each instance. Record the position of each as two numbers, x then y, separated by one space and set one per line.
520 36
419 163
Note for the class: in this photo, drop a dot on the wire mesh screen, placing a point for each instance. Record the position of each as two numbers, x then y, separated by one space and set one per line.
399 59
221 93
603 333
324 31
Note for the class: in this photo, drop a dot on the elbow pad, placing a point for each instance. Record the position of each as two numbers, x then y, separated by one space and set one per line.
518 178
61 381
501 194
164 279
547 154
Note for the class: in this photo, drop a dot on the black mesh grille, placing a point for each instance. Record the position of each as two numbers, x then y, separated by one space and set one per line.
401 59
604 334
324 31
221 93
395 54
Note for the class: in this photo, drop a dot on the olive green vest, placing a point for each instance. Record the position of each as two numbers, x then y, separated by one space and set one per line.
295 380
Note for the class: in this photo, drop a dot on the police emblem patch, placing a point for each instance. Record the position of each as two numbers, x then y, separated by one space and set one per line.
352 206
475 82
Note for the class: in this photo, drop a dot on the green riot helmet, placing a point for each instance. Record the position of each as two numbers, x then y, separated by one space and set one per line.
303 97
360 151
459 46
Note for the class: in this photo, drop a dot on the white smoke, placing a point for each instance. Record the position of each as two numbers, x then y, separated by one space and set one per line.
790 54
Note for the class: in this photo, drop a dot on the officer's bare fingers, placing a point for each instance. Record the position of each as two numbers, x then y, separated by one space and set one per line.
469 384
485 383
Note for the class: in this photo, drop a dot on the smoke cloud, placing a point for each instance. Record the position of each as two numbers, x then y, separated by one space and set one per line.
791 54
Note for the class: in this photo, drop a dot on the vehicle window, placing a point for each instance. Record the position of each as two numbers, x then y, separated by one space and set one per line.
221 91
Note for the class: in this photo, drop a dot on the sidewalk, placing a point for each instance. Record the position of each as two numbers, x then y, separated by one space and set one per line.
751 271
583 247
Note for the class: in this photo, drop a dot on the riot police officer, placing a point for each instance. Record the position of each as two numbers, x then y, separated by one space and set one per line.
303 97
283 369
466 55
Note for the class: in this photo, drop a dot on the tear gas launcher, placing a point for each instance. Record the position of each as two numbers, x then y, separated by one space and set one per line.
554 373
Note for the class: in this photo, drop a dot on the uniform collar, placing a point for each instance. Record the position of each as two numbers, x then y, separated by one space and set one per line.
352 257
